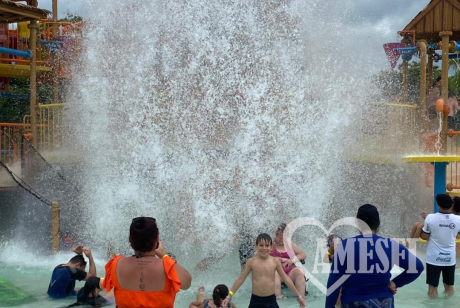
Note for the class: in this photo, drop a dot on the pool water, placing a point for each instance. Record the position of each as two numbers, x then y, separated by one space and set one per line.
32 273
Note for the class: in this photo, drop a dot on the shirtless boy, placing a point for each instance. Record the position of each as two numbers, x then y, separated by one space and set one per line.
263 268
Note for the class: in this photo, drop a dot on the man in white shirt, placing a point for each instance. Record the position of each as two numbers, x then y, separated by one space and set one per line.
441 229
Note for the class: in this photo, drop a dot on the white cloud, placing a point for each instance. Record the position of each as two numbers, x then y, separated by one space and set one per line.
76 7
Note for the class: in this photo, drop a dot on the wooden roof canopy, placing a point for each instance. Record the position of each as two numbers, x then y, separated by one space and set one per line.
16 12
439 15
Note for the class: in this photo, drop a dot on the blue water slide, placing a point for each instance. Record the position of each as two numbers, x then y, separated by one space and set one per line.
14 95
53 46
21 53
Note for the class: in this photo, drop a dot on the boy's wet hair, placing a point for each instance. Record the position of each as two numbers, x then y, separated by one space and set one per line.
264 237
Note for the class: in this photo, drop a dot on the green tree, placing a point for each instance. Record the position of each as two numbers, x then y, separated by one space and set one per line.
389 82
69 17
454 83
13 110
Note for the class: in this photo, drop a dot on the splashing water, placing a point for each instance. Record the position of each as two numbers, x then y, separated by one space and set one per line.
203 111
218 116
438 144
224 117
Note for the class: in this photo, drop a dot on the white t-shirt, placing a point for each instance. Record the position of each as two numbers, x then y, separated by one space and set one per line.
443 229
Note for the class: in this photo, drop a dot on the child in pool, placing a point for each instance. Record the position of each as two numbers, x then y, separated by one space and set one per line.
89 294
263 268
333 241
417 228
219 293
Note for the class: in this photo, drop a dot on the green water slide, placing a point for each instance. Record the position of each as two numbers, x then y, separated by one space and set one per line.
10 295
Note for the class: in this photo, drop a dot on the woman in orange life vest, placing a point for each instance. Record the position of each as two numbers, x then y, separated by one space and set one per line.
149 278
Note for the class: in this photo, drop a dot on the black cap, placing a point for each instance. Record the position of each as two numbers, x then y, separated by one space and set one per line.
444 201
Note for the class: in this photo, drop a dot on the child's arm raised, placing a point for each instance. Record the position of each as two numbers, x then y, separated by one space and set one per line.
238 282
285 278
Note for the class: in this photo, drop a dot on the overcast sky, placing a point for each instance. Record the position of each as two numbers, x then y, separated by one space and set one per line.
386 16
389 15
73 6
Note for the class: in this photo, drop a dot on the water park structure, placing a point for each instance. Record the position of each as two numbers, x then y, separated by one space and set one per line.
187 129
38 47
55 43
432 35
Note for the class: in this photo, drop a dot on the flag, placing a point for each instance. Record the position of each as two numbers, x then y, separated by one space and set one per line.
392 54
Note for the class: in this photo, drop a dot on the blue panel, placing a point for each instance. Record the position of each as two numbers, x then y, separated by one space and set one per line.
439 181
21 53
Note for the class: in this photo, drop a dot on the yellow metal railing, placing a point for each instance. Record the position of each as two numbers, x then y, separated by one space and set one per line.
403 118
50 115
49 122
11 142
453 168
389 130
399 116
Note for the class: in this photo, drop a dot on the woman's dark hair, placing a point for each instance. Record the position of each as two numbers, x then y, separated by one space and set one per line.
370 215
90 287
281 228
143 234
220 293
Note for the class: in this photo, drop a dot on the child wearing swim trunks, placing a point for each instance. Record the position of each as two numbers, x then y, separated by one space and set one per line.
219 293
263 268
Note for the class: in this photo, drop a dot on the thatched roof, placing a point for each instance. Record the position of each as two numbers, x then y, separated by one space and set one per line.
16 12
